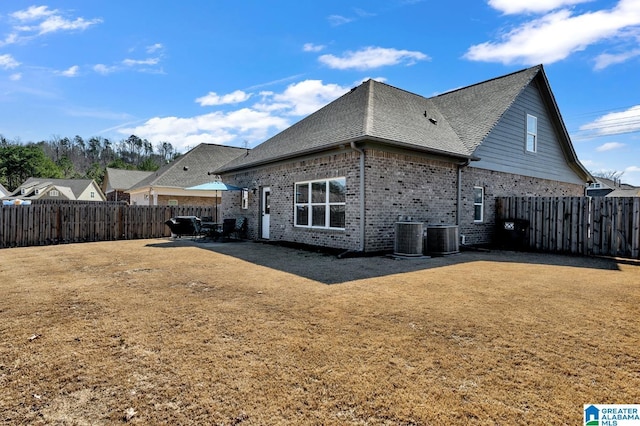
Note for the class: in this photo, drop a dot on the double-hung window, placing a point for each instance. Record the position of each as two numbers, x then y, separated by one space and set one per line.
532 133
320 203
478 204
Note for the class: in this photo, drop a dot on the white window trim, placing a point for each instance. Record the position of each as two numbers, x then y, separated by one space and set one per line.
481 204
309 205
531 133
54 193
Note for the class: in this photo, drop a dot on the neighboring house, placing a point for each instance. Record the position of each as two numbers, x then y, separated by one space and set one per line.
344 175
603 187
3 191
166 186
58 189
117 181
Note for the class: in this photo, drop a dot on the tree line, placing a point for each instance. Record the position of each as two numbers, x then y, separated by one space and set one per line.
77 158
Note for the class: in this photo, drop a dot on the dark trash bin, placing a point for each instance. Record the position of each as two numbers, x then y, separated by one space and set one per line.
513 234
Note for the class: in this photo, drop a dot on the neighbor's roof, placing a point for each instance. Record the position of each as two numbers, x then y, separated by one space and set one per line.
624 192
121 179
76 186
3 190
192 168
453 124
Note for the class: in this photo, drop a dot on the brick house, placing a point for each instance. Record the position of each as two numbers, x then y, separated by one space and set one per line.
344 175
167 185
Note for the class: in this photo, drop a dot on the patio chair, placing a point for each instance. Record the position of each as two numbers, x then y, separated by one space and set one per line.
184 225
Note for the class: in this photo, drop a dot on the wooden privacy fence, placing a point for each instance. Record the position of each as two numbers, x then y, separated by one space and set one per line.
577 225
55 223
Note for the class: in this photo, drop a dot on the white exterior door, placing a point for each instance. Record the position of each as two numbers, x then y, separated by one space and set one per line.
266 207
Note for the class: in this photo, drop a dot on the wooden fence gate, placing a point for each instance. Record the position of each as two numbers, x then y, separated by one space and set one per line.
72 222
576 225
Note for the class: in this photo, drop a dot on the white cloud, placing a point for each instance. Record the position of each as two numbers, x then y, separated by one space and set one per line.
154 48
104 69
306 97
510 7
33 13
545 40
310 47
58 23
40 20
609 146
212 98
8 62
254 124
15 77
135 62
615 123
336 20
372 57
71 72
606 59
632 169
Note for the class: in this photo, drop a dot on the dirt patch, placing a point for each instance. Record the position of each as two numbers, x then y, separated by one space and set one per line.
184 332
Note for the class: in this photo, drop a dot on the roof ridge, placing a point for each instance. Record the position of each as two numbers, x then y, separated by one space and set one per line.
368 114
538 67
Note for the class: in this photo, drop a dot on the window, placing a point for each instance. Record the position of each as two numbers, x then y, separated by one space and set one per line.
478 204
54 193
245 198
93 194
320 204
532 133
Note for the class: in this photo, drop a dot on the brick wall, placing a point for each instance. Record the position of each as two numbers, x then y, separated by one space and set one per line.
163 200
281 180
403 187
397 187
498 184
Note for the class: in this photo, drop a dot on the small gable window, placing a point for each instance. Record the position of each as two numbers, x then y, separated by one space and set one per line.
532 133
478 204
54 193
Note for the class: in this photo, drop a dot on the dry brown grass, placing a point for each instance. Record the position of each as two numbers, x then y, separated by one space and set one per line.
153 331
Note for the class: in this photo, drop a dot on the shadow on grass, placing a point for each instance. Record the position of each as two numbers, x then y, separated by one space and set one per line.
327 268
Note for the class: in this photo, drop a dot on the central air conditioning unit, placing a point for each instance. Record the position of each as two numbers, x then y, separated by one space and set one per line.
442 239
409 239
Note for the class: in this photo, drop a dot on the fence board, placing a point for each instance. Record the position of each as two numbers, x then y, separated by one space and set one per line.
54 223
578 225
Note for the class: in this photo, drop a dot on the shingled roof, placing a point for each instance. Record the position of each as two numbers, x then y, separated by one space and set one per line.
474 110
122 179
72 188
452 124
192 168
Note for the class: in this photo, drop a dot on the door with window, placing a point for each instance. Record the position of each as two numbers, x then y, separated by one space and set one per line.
266 207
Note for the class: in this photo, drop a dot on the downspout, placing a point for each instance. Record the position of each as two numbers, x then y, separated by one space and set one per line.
362 195
459 189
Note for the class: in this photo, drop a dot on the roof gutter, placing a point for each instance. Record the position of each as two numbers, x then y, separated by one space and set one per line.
362 195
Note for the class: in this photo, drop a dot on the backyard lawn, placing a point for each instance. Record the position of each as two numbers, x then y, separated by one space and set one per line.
185 332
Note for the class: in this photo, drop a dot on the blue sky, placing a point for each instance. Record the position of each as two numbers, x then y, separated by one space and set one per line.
238 72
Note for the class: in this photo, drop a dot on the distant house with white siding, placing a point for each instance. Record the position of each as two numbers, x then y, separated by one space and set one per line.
58 189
